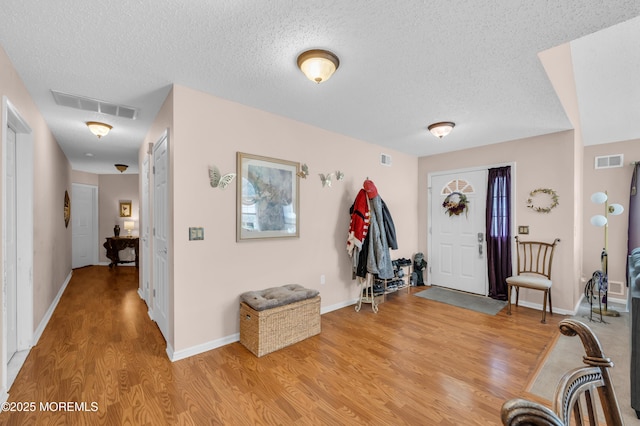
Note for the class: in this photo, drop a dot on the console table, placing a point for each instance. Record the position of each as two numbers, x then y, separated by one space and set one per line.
115 244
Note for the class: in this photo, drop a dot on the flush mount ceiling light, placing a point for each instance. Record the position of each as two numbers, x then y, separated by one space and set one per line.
121 167
441 129
99 129
318 65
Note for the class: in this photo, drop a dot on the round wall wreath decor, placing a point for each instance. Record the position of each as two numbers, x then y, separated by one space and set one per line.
456 203
540 209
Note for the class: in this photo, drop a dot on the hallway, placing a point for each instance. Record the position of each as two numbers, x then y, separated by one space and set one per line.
101 360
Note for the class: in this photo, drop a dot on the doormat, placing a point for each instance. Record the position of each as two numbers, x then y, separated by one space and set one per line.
485 305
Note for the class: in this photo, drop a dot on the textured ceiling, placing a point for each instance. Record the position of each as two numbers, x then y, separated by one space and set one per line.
403 65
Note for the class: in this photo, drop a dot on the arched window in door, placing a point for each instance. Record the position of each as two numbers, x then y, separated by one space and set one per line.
457 185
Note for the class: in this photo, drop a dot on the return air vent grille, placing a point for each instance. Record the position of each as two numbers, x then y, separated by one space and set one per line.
385 160
616 287
94 105
609 161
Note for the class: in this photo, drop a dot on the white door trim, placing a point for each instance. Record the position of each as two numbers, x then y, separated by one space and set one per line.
161 246
145 246
24 202
463 170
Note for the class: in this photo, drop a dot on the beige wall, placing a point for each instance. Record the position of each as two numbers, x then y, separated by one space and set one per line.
85 178
617 182
113 189
540 162
558 64
52 177
210 275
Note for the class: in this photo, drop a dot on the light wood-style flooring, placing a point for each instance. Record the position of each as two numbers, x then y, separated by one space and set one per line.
416 362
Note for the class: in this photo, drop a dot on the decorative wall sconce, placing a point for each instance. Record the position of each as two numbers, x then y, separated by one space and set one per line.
326 179
442 128
318 65
217 180
99 129
603 221
304 171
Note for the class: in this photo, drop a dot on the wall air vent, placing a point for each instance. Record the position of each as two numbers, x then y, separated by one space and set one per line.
616 287
385 160
94 105
609 161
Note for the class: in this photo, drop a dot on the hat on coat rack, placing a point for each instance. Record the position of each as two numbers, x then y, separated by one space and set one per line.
370 188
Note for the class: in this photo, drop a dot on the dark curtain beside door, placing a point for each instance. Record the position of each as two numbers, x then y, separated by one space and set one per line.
498 227
634 211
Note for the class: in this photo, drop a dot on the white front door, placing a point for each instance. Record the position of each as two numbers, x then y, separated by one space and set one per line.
10 247
145 231
84 226
161 235
457 248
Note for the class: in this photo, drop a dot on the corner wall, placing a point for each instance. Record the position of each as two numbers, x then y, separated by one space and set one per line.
617 182
210 275
540 162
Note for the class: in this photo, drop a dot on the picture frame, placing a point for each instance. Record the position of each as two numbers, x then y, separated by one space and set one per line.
267 198
125 208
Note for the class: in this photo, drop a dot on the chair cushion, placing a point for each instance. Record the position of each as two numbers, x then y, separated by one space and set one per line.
277 296
529 281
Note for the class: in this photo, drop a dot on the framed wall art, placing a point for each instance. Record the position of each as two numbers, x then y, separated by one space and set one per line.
267 204
125 208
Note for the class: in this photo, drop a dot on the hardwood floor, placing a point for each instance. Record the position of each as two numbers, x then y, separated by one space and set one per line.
415 362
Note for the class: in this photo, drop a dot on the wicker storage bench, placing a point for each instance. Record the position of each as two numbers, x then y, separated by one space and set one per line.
278 317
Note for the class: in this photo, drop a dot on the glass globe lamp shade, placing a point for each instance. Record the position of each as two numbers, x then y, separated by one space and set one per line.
598 220
599 197
615 209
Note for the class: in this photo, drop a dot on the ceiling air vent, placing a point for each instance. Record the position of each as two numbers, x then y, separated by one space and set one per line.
94 105
385 160
609 161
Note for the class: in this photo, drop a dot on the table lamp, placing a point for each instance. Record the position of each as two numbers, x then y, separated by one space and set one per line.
128 226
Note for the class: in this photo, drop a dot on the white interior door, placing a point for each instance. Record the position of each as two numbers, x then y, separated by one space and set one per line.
84 225
145 232
161 236
457 249
10 245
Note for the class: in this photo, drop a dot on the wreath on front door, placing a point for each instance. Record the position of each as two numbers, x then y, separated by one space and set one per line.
456 203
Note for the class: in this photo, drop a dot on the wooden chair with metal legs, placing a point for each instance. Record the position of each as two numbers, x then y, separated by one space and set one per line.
534 271
575 395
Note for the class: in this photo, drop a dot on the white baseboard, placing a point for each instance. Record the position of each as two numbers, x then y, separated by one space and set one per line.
204 347
538 307
214 344
47 316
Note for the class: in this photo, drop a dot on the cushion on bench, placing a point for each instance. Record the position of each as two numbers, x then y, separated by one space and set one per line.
277 296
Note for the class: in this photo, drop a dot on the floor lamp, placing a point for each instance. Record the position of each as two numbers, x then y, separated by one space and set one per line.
603 221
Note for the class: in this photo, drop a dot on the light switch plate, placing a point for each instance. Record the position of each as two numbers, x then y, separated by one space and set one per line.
196 233
523 229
